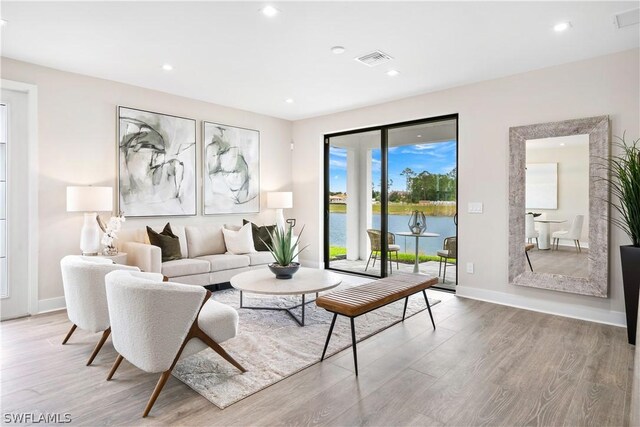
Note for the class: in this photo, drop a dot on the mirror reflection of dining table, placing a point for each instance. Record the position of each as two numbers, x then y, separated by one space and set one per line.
544 240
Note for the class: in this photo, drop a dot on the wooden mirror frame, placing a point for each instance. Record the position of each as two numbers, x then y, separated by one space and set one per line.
597 281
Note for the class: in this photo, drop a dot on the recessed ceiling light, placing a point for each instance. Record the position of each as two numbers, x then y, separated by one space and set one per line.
562 144
3 22
269 11
561 26
167 67
393 73
419 136
289 101
338 50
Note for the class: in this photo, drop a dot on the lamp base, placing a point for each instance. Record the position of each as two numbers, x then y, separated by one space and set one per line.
280 219
90 235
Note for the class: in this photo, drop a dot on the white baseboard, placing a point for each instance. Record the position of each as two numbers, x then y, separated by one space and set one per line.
51 304
615 318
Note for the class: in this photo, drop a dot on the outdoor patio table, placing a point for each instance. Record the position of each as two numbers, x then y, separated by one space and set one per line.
417 236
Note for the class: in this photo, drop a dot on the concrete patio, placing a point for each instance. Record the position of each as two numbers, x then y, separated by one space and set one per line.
429 268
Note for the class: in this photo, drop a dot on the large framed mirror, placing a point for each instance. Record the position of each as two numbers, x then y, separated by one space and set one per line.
558 210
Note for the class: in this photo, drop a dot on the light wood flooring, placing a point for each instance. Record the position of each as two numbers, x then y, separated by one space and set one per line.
565 261
485 364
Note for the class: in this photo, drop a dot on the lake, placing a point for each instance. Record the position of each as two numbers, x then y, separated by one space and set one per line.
443 225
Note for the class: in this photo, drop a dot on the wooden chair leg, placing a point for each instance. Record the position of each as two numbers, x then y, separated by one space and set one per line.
200 334
115 366
96 350
156 392
71 331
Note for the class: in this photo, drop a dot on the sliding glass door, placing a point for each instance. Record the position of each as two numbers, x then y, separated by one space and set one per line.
353 192
391 199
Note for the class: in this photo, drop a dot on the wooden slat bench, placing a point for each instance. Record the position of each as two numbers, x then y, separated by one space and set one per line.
359 300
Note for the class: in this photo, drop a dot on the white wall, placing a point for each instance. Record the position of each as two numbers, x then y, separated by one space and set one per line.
604 85
573 183
77 146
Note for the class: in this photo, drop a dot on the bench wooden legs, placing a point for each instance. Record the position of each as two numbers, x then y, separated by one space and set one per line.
429 308
326 344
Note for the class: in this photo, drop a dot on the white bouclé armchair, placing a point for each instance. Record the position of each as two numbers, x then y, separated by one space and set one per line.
85 295
153 323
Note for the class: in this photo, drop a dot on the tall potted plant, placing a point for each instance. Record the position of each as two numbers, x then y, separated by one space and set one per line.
625 188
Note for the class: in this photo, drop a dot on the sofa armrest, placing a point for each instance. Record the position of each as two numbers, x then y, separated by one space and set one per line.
146 257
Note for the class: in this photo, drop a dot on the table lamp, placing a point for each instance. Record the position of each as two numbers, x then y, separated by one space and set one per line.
90 200
279 200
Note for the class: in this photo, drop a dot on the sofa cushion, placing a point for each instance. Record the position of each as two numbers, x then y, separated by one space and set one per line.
239 242
140 235
261 234
184 267
205 240
226 261
261 258
168 243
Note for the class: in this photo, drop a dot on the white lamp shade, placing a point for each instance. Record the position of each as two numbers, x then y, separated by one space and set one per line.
280 200
89 199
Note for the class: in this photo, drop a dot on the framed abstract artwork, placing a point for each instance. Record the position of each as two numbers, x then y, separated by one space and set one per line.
231 169
156 164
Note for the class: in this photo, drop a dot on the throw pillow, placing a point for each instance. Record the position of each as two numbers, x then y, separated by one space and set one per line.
168 243
259 234
239 242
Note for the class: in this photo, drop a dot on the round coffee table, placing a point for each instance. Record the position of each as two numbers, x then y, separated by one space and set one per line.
305 281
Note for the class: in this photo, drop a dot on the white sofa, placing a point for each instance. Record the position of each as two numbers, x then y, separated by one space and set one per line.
205 259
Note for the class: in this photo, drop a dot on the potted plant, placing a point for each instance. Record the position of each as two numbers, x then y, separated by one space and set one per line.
625 187
284 250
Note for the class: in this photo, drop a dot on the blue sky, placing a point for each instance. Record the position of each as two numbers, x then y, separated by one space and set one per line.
435 158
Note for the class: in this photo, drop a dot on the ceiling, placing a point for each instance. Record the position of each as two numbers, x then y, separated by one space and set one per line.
228 53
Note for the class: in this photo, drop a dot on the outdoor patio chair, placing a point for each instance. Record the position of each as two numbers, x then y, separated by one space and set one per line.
449 250
376 247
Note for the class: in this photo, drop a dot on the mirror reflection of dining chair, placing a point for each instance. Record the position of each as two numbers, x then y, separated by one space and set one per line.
449 251
573 233
376 247
530 229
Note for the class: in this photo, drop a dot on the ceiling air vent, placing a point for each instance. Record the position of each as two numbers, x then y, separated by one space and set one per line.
628 18
374 58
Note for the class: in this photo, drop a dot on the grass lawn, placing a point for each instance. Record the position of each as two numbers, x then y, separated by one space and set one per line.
403 257
403 209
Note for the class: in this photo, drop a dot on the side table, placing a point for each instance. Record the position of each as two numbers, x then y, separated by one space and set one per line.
119 258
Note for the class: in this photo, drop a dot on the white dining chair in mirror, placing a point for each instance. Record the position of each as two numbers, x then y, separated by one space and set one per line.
573 233
530 229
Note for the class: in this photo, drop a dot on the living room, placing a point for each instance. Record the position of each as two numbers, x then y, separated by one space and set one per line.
107 99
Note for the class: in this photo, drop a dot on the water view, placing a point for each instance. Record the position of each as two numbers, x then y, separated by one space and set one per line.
443 225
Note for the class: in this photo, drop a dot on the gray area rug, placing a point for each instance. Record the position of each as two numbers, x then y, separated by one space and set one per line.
272 347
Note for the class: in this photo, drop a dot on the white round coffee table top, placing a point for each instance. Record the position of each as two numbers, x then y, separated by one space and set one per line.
305 281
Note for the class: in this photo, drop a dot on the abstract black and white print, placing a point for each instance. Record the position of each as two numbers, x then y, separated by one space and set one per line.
231 165
157 164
